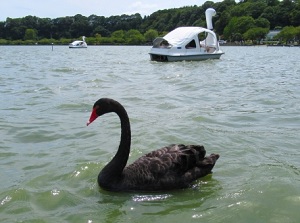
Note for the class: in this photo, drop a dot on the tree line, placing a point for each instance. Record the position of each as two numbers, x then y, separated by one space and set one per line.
245 20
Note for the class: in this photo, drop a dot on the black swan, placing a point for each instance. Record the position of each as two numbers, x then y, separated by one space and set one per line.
171 167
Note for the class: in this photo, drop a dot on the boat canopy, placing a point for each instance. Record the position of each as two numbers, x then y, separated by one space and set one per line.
76 42
183 35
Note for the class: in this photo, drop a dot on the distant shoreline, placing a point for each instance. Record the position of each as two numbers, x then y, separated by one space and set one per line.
221 45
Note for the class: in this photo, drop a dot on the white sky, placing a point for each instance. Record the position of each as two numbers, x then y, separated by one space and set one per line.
61 8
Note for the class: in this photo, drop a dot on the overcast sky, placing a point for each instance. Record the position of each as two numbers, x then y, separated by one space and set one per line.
61 8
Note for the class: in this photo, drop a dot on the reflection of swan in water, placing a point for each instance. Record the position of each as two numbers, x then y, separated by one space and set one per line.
171 167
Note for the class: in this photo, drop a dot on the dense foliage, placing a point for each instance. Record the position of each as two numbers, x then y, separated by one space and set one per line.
246 20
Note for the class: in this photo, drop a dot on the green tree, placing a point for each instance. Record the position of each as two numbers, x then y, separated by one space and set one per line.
45 41
244 23
229 30
283 10
270 13
134 37
297 34
272 2
14 29
262 22
102 31
45 28
150 35
80 26
287 34
65 41
221 23
255 34
30 34
30 22
256 8
232 21
238 25
2 30
97 38
3 41
295 17
61 27
118 36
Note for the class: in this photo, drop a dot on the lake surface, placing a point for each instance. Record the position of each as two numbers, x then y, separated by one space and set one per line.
244 106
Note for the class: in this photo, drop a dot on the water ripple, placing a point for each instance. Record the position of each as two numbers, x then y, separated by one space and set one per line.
244 106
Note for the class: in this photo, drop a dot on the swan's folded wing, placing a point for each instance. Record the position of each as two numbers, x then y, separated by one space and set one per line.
175 166
169 160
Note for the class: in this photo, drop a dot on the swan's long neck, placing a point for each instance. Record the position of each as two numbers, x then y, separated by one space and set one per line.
115 167
124 147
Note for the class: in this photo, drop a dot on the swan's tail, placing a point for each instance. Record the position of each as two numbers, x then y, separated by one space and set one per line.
202 168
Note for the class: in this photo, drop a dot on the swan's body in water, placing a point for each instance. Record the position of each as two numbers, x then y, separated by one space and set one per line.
171 167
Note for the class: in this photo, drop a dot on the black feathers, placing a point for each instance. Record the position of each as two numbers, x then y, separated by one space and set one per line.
171 167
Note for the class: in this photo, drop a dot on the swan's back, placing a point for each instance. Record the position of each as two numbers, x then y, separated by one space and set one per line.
171 167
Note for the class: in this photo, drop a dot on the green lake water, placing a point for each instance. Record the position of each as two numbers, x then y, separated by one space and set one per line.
244 106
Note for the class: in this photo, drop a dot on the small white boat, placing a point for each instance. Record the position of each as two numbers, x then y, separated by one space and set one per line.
78 43
188 43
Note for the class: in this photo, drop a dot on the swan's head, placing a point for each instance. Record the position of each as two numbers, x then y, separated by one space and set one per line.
101 107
